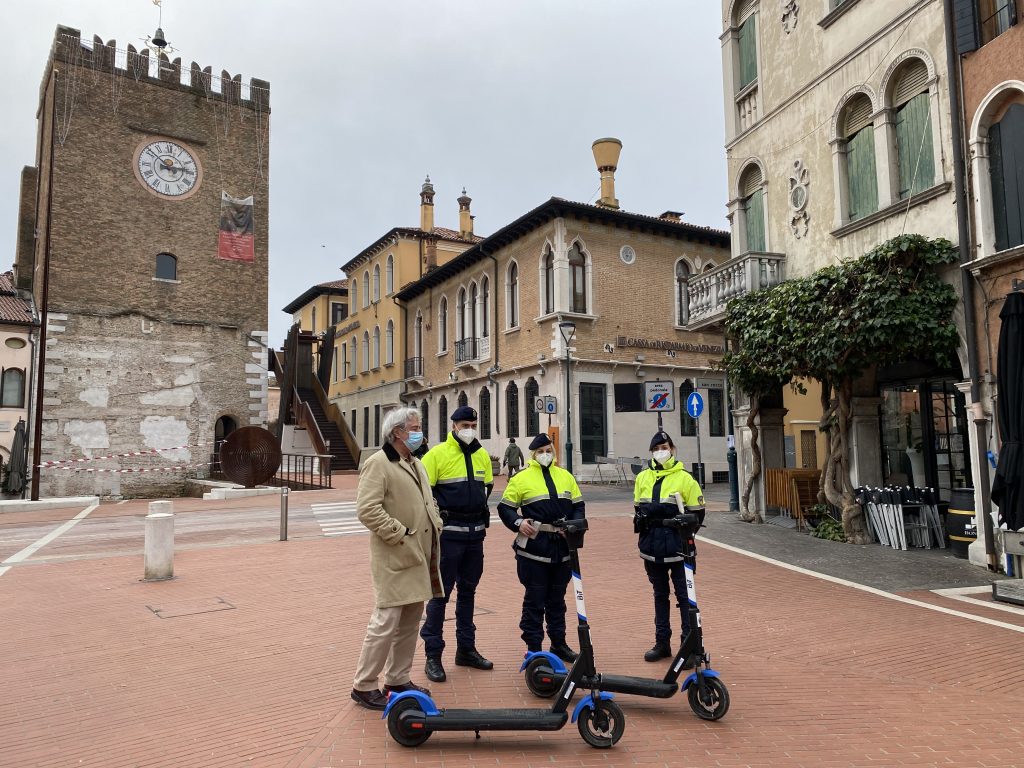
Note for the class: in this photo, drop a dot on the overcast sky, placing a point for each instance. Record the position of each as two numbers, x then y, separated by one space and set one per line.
503 97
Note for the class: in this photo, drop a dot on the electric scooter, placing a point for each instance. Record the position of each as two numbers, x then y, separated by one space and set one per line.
707 694
412 715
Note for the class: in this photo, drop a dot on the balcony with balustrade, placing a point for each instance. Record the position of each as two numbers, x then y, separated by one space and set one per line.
710 292
414 368
471 351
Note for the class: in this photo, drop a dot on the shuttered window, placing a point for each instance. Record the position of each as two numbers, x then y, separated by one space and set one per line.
914 145
748 51
860 168
995 17
1006 164
753 214
913 79
858 115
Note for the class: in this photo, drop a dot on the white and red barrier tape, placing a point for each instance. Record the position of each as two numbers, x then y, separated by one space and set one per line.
66 463
140 469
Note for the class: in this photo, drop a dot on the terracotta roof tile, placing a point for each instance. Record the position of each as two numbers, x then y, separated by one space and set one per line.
13 308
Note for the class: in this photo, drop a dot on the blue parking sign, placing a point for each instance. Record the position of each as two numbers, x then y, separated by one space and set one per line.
695 404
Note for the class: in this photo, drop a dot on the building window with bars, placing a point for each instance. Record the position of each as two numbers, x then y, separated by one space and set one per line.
485 413
530 392
512 410
442 419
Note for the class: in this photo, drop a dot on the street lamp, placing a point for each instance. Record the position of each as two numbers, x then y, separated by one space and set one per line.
568 330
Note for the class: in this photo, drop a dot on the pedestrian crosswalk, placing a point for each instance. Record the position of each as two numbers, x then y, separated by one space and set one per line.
338 518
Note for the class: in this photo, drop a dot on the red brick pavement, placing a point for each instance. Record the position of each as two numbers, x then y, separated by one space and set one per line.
250 659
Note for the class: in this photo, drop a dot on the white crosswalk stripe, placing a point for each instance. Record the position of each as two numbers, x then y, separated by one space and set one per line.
339 518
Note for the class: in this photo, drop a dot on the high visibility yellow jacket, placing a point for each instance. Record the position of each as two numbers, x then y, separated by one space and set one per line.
461 478
544 495
653 502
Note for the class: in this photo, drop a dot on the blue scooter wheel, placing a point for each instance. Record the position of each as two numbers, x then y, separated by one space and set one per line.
406 723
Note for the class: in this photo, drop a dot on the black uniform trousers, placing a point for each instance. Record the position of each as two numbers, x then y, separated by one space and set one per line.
544 597
462 565
659 574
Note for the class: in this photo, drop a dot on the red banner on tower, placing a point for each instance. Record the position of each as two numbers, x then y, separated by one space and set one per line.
237 238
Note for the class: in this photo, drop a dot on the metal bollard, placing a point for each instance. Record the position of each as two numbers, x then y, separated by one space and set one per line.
284 513
159 546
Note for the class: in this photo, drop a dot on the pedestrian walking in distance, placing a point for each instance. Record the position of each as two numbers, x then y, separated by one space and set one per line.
513 457
395 503
534 499
460 474
660 546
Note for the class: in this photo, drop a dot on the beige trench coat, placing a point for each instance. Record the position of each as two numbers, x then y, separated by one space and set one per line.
394 495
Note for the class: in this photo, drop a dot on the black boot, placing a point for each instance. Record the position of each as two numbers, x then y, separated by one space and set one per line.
434 671
470 657
563 651
661 650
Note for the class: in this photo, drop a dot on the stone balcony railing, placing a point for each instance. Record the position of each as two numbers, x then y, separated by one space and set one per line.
710 292
746 107
471 350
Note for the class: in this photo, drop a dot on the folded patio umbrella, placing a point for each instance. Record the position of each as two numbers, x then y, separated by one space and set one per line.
1007 490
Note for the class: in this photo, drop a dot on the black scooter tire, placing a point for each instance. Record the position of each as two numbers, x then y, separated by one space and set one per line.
602 725
404 735
534 673
718 699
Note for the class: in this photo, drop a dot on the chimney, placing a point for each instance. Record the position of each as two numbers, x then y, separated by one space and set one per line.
427 206
676 216
465 218
606 155
430 253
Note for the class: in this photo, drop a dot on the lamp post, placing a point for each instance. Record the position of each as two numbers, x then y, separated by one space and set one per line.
568 330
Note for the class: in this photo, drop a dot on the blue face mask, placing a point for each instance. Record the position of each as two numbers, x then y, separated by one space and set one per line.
414 440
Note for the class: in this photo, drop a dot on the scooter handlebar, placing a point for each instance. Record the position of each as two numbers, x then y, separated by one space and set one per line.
572 526
684 520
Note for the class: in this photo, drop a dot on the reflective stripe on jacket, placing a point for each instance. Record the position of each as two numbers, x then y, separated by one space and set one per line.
544 495
461 478
652 498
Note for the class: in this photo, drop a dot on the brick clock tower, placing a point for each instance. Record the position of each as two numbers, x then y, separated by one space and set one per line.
144 242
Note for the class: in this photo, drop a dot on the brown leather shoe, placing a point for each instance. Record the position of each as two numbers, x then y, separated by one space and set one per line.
410 686
370 699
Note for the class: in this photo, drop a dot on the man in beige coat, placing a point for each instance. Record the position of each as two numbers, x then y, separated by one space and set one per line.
395 502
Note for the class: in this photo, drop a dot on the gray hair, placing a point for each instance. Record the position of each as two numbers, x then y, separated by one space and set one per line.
395 418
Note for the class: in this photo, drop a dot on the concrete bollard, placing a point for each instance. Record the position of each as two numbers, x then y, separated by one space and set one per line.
159 564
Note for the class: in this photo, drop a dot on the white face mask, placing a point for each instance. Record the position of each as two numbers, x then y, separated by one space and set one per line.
467 436
661 456
545 459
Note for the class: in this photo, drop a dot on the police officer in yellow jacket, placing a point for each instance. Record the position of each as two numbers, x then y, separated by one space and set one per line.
536 497
459 470
660 546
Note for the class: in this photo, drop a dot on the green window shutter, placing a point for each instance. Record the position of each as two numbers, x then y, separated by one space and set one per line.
748 51
1006 164
860 169
753 208
914 145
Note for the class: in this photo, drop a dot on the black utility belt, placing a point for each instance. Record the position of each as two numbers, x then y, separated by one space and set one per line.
464 517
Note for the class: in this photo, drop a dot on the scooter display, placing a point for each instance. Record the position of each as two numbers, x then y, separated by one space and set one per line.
413 716
707 694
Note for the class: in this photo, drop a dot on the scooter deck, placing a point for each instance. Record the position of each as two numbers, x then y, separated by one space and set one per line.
497 720
640 686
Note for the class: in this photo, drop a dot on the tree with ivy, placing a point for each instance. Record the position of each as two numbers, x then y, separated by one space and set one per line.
885 307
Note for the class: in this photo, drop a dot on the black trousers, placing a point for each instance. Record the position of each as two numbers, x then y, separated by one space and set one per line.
544 587
462 565
659 574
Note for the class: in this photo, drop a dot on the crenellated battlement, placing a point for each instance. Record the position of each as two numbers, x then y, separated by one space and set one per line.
69 48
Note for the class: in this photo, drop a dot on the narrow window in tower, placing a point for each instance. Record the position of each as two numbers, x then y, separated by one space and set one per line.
166 266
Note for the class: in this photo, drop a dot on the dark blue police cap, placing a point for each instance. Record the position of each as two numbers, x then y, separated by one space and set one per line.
464 413
540 441
659 438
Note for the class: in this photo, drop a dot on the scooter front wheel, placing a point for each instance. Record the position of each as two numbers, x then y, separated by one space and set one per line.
602 725
714 704
402 721
540 678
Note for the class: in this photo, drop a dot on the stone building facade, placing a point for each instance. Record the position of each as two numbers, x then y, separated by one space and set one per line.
155 335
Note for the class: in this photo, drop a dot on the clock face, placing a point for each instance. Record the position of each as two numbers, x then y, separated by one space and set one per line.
168 168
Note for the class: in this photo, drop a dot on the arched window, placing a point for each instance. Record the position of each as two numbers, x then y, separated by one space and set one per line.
442 419
12 388
313 321
355 358
1006 172
530 393
484 412
912 121
344 359
366 351
389 275
166 266
424 419
366 289
687 425
682 292
858 137
578 279
376 346
376 282
460 315
548 274
512 296
389 343
512 410
752 208
471 309
417 338
442 325
485 308
743 41
463 399
353 292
